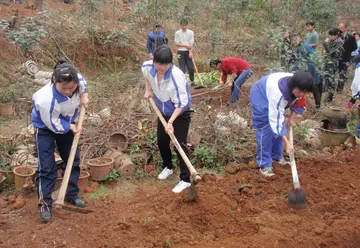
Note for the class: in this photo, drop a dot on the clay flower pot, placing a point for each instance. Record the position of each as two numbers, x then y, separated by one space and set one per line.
22 173
83 180
100 167
118 141
82 183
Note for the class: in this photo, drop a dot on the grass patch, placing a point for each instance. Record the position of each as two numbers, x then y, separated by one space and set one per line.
102 191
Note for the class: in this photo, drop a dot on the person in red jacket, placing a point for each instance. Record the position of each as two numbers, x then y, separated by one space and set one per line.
239 69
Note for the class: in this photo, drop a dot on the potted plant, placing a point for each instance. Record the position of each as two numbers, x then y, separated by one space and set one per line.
6 105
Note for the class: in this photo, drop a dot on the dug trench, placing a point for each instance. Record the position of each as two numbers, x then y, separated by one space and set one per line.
238 210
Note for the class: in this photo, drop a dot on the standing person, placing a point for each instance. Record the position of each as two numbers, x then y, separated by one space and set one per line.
357 51
166 83
312 36
286 52
238 68
349 45
269 98
184 40
56 106
154 39
304 55
334 48
355 86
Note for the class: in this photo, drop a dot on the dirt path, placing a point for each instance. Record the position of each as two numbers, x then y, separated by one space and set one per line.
227 213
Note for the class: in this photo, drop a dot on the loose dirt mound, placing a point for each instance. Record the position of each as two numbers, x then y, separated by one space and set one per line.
241 210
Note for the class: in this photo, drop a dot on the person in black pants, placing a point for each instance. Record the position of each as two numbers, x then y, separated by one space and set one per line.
349 46
166 83
184 40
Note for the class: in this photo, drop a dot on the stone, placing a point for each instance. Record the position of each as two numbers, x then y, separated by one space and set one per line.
149 168
94 185
88 190
232 169
319 230
11 198
19 202
218 233
253 164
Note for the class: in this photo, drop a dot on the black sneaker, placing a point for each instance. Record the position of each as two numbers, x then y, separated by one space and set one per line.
45 216
77 202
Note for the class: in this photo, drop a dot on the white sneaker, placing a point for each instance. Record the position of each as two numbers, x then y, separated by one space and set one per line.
165 174
282 161
267 171
181 186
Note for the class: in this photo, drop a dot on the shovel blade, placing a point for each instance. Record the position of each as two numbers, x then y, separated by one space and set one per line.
191 195
297 198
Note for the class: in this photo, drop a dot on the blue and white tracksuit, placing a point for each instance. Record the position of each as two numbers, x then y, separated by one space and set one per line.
269 98
52 115
171 93
355 86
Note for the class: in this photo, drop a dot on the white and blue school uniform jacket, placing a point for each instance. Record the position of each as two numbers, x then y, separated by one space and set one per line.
270 97
54 111
355 86
172 92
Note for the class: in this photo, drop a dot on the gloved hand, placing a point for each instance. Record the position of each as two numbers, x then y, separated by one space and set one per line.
348 105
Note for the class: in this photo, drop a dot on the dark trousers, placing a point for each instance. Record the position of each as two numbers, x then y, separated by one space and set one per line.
186 62
343 68
329 78
181 129
47 171
318 94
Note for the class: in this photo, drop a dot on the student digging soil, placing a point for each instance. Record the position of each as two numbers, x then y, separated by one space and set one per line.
270 97
166 83
56 106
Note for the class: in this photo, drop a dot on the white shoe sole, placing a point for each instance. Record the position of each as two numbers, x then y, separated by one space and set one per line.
177 192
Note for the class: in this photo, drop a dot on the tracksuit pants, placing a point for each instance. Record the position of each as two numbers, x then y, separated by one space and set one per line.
47 170
181 129
186 63
238 82
269 147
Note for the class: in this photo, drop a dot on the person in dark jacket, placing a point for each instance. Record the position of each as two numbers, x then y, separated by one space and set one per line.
349 46
304 56
155 39
286 52
334 48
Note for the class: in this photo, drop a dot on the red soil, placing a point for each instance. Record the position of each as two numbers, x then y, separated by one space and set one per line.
241 210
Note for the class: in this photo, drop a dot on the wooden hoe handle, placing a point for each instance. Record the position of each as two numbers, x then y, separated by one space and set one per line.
64 184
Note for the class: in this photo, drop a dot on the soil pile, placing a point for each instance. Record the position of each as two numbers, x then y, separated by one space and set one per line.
239 210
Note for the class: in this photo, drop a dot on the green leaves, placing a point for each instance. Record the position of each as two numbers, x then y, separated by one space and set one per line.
29 34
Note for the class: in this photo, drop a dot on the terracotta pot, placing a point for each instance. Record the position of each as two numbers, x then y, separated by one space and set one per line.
100 167
127 167
118 141
22 175
333 138
10 177
116 156
82 183
6 109
141 157
336 116
83 180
